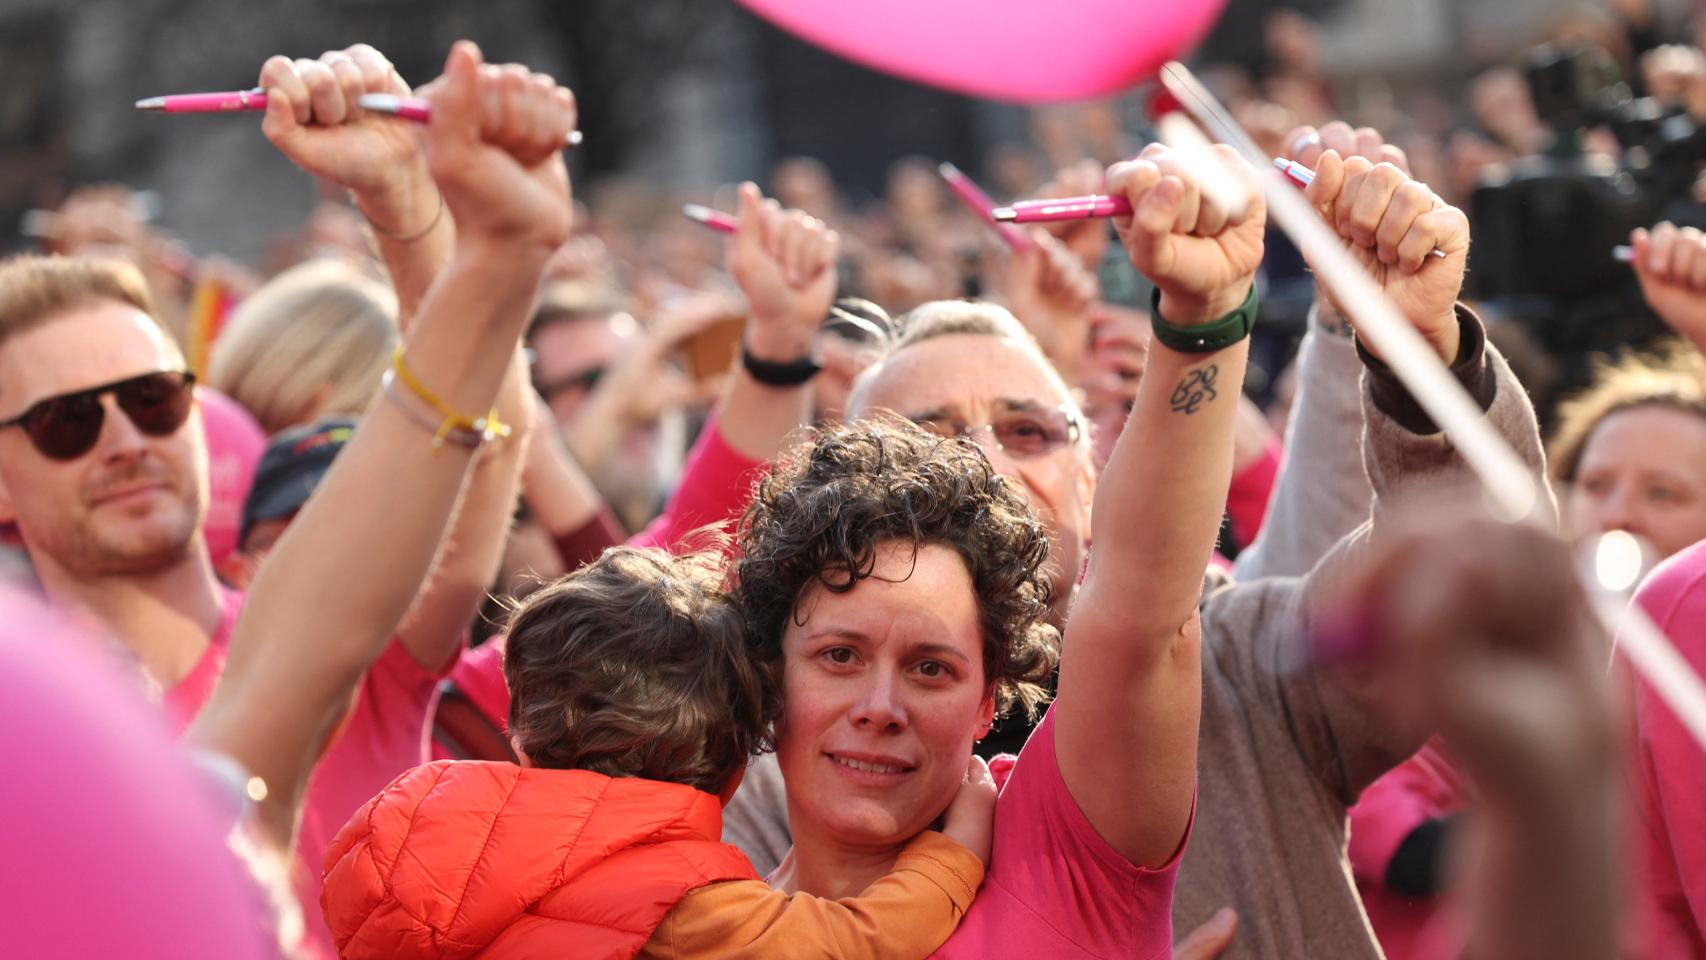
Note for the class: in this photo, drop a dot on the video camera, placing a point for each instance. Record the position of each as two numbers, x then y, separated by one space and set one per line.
1545 227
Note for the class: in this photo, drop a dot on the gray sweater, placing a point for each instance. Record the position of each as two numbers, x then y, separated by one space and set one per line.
1287 746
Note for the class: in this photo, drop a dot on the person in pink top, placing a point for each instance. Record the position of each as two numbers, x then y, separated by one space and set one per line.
1671 770
901 585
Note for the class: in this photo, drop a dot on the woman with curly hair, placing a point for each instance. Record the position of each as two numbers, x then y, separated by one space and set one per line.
900 586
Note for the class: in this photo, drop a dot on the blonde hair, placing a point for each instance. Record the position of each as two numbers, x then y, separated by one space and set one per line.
313 341
1673 375
34 289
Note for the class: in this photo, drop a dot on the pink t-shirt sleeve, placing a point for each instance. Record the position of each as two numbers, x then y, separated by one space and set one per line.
1054 887
1672 769
1251 489
1422 788
716 483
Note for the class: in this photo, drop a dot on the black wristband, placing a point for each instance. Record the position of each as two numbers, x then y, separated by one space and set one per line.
1208 337
790 374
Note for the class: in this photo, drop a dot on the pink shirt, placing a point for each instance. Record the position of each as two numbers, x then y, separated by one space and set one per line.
1671 769
1251 489
1054 887
383 736
1423 787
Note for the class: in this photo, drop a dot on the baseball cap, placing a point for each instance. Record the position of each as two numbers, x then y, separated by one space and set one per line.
292 467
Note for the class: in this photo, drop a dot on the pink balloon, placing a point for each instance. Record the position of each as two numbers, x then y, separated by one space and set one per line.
1020 50
111 843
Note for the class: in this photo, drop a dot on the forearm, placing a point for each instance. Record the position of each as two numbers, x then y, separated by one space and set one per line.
1322 492
758 419
285 685
909 912
597 430
558 492
472 549
1132 666
398 212
1159 502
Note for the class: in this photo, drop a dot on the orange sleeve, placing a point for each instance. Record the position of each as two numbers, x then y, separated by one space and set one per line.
906 914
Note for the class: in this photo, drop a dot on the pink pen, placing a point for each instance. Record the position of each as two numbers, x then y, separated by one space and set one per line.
418 110
979 203
227 102
1068 208
715 219
1296 172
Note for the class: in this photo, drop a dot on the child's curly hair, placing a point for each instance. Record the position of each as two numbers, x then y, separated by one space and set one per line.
637 665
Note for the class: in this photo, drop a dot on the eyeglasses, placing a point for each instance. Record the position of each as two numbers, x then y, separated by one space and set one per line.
1019 433
66 426
586 381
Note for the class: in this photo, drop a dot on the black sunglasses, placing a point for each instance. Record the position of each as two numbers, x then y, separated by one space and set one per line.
66 426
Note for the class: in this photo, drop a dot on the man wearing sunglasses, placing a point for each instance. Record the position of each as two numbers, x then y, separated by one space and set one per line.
102 464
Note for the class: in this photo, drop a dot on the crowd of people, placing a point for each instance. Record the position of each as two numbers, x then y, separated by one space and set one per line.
505 573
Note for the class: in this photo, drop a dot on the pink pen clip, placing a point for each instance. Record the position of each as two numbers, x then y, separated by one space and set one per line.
715 219
1303 176
420 111
230 101
1068 208
972 195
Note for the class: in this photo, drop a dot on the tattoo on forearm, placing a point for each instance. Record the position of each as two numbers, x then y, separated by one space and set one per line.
1194 390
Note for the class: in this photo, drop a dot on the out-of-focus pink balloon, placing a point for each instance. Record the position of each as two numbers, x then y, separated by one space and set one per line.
235 443
1030 51
111 843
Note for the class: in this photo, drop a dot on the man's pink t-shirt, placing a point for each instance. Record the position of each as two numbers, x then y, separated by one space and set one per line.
1054 887
1672 770
384 735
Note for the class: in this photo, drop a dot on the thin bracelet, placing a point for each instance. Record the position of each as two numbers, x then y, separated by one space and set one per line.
406 237
462 438
486 427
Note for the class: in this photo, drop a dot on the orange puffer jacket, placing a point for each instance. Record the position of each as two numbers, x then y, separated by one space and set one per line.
489 860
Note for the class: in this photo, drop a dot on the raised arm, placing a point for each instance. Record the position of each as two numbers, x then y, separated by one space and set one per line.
314 118
784 262
1322 493
325 604
1130 675
1340 719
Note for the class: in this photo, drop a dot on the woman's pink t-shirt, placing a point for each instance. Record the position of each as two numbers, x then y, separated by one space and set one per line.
1054 887
1671 770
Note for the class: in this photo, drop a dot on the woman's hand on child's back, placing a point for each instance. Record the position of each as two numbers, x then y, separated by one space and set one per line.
970 819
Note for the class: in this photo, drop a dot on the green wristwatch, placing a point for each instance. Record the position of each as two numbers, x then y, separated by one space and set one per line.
1208 337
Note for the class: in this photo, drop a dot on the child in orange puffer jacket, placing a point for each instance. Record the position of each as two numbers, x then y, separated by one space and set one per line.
636 702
